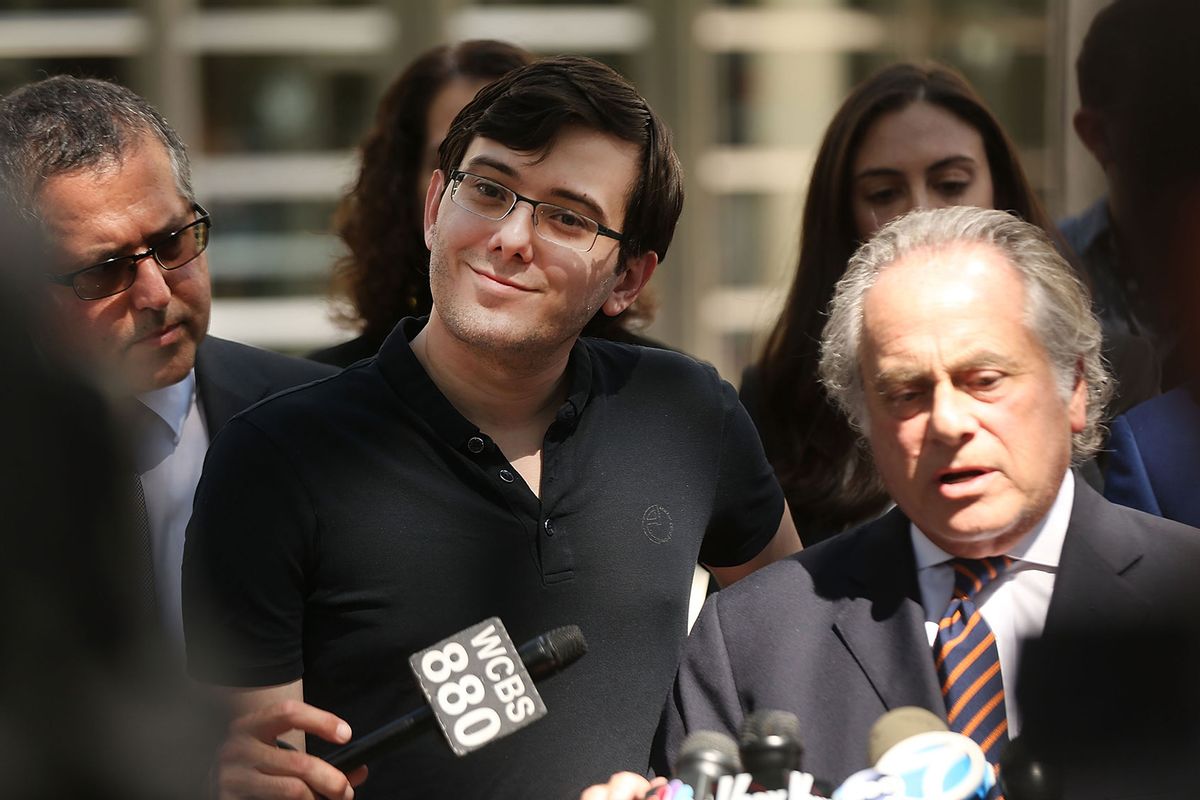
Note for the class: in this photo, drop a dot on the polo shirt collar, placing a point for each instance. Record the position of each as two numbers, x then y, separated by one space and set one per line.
415 388
579 383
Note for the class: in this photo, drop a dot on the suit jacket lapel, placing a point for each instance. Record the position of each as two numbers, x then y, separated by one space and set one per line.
1091 591
224 385
881 620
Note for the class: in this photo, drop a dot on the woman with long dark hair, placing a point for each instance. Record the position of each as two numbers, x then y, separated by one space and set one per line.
910 135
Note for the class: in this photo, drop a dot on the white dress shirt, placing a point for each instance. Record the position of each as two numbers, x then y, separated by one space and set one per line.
170 458
1014 605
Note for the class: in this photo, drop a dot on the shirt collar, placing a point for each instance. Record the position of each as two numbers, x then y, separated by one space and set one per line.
172 403
1043 545
415 388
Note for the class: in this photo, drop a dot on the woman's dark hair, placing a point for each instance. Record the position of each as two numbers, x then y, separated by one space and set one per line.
385 275
829 479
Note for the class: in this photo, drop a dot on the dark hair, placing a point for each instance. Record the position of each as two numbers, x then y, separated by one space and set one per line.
64 124
1134 49
385 274
527 108
1138 62
830 481
1103 61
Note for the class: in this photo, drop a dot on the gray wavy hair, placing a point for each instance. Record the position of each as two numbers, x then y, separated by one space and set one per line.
1058 310
64 124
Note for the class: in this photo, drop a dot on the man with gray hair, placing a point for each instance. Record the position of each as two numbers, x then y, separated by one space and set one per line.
962 346
127 294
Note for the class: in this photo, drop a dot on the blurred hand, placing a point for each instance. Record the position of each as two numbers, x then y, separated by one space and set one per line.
250 764
622 786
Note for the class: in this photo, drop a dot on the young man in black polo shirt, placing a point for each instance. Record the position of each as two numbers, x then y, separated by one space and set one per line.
487 462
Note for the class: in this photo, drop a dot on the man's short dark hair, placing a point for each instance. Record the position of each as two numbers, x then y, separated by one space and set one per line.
1138 64
65 124
527 108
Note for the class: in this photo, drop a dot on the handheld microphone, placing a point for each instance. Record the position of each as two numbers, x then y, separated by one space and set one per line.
704 757
542 656
769 744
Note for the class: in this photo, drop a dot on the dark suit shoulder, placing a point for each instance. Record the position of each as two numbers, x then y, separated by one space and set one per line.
231 377
1119 548
839 568
1117 523
240 360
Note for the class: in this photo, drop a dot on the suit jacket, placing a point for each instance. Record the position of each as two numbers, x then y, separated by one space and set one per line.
231 377
836 633
1154 459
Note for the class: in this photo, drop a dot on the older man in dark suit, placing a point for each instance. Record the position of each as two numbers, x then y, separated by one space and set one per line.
127 291
962 346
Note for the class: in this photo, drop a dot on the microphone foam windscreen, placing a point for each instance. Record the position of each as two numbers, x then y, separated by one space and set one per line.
567 644
897 725
702 741
763 724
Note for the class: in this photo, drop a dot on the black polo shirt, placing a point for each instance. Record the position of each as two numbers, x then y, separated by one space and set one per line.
340 527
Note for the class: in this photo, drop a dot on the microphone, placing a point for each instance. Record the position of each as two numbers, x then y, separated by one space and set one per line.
1025 777
897 725
920 758
542 657
769 744
704 757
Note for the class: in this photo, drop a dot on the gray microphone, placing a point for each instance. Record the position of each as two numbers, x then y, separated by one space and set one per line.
703 758
769 744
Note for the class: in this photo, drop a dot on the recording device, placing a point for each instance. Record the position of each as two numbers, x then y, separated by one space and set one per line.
705 757
1023 776
769 745
919 759
897 725
478 686
768 767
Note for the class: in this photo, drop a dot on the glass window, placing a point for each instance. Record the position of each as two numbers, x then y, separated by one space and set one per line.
272 104
16 72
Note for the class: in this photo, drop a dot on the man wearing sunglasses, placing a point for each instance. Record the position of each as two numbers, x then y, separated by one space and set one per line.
127 290
488 461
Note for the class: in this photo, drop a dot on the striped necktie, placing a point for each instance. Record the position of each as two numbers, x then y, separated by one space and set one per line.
152 442
143 566
968 663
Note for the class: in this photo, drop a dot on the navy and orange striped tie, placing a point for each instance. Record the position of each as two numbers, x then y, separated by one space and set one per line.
968 663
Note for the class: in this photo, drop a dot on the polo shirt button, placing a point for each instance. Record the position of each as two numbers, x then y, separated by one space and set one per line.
475 445
549 526
506 476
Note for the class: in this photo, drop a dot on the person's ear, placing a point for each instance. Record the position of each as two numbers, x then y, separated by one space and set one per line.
629 285
433 202
1077 405
1092 129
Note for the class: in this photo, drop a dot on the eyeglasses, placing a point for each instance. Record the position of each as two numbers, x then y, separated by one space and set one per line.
556 224
117 274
